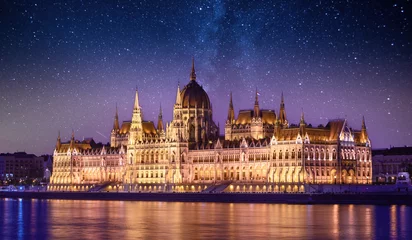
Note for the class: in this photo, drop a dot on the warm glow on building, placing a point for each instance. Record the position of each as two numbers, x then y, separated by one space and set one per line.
261 151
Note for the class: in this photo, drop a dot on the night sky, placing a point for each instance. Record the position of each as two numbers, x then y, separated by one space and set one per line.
64 66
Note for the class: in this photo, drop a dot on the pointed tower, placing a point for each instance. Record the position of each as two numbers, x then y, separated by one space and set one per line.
282 113
116 121
364 133
256 127
115 130
231 113
135 133
59 142
193 72
302 124
230 120
72 141
178 99
160 128
256 110
176 125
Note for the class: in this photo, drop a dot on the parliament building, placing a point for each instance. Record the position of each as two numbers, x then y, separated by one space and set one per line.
261 151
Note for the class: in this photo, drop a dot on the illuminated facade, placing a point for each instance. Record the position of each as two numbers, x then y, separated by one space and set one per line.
260 151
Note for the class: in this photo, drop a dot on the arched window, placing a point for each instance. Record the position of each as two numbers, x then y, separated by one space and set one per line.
287 154
293 154
334 154
280 154
299 154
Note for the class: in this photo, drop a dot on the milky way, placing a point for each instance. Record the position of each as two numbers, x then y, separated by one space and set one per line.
65 65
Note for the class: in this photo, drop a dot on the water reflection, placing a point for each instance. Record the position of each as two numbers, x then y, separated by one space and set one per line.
64 219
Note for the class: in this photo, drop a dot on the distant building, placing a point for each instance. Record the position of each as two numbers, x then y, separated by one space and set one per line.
20 165
48 167
387 163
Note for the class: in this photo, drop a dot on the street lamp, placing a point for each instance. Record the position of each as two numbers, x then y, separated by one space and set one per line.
367 180
335 179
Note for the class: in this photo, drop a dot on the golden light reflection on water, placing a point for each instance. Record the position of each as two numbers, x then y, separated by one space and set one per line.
393 221
368 221
335 219
67 219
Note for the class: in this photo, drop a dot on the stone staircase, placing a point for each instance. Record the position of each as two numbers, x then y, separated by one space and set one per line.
99 187
217 187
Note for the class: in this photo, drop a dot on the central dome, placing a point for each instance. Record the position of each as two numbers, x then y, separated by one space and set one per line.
193 95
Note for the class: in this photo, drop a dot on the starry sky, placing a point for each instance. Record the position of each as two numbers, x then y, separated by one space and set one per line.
65 65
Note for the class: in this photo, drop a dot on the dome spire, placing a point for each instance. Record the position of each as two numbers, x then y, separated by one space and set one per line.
193 72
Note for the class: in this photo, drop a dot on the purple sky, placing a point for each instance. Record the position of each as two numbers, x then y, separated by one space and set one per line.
65 66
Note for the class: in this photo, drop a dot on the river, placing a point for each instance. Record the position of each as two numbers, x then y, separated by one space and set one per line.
80 219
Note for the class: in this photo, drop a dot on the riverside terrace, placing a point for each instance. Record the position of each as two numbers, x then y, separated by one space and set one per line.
404 198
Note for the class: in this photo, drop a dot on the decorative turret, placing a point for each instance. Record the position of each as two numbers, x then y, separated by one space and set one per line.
58 143
231 113
282 112
256 110
193 72
160 121
116 121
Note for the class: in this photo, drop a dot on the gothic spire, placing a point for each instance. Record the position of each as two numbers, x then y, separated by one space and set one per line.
363 123
116 121
302 118
302 124
282 111
256 107
364 133
160 120
256 97
136 101
178 100
231 113
58 143
72 140
193 72
282 101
